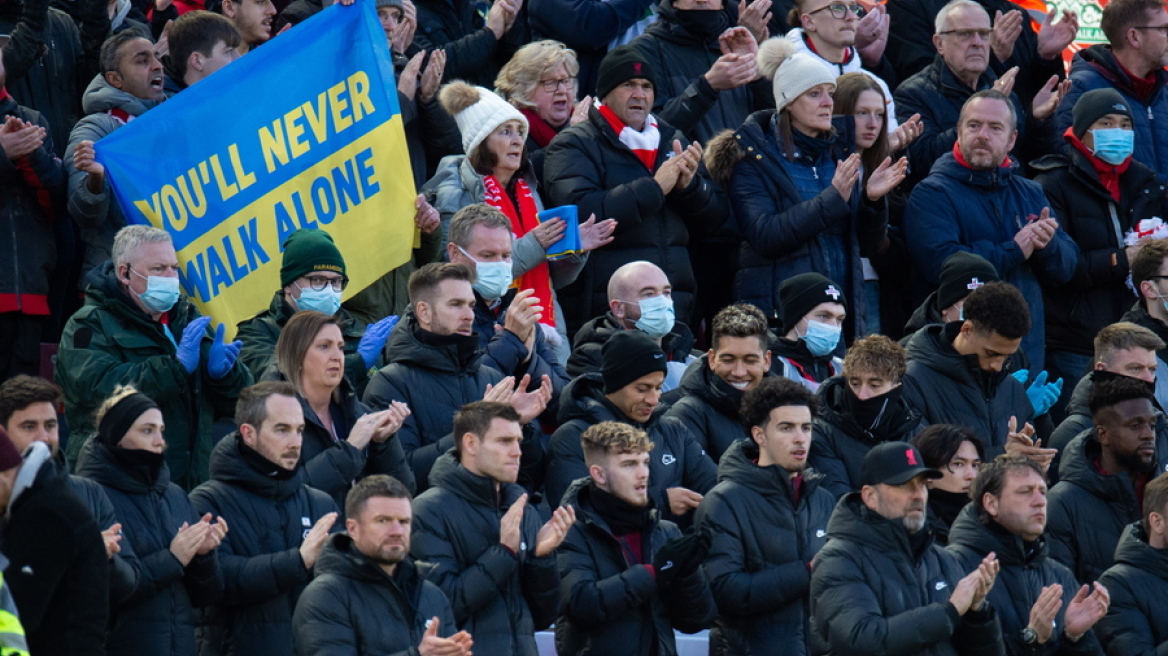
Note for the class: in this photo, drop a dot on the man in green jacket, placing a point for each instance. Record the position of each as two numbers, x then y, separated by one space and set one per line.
137 329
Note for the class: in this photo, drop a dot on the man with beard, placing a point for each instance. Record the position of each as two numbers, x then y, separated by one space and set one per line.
880 585
1102 477
628 577
1043 609
768 516
861 408
258 484
368 595
253 19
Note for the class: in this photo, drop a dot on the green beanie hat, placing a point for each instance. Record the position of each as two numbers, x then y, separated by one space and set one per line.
308 250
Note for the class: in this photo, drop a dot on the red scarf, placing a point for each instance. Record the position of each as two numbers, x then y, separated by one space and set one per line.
538 129
522 222
3 94
647 157
961 158
1142 86
1108 174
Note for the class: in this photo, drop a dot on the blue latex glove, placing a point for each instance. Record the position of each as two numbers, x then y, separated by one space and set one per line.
373 341
188 347
221 357
1043 395
1022 375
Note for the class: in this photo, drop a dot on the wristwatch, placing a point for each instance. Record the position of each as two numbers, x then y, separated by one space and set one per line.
1029 636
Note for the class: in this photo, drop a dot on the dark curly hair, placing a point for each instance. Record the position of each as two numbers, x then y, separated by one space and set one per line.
771 393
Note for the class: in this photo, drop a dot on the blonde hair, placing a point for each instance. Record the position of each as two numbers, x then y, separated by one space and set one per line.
519 77
120 392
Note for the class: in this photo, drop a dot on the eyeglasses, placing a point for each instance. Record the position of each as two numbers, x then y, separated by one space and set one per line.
1163 28
967 35
838 11
957 467
320 282
567 83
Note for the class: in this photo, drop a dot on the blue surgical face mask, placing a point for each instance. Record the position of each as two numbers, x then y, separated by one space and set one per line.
1114 145
821 338
161 293
493 278
326 301
657 316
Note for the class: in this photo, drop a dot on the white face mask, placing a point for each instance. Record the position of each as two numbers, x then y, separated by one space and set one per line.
492 278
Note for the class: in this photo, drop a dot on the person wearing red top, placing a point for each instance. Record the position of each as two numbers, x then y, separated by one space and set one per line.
1100 193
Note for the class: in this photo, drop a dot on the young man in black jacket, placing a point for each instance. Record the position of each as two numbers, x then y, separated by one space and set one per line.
768 517
628 576
369 596
1043 609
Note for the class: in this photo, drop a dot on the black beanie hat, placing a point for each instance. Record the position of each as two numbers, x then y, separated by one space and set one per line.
1095 104
307 250
799 294
120 418
627 356
961 273
621 64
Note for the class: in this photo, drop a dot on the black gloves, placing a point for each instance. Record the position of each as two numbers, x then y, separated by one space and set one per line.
682 555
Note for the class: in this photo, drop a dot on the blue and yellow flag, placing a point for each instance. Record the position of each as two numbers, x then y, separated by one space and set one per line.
304 132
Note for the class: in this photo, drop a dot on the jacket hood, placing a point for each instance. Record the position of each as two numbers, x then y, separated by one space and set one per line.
968 531
599 330
668 27
998 177
1078 467
852 521
757 137
1134 550
228 466
739 464
96 461
340 557
101 96
932 346
1078 403
449 474
1101 58
897 420
926 313
584 398
36 464
700 381
404 347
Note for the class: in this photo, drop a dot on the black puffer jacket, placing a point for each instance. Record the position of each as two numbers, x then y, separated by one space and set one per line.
874 594
682 96
1097 294
1026 570
123 578
613 606
675 461
587 166
500 597
592 336
709 409
159 617
332 466
262 569
949 388
839 443
1137 619
472 52
353 607
1088 509
434 381
759 560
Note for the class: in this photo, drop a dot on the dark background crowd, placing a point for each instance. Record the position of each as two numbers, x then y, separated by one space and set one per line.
830 327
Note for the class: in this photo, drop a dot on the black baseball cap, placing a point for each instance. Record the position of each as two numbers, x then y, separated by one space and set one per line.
894 463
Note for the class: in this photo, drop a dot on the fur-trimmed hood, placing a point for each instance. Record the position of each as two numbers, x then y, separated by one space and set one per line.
727 148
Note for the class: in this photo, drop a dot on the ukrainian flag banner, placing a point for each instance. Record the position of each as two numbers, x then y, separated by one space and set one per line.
304 132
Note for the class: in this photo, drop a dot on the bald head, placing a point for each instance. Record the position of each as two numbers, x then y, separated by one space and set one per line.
630 284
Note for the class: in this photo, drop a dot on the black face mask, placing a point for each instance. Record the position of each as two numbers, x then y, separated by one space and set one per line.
704 24
867 412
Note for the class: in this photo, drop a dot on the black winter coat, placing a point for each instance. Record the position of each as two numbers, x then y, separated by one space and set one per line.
610 605
591 338
675 461
353 607
159 617
1138 315
709 409
472 52
1088 510
759 562
501 598
949 388
505 352
57 570
587 166
682 96
839 443
263 572
1136 623
1025 571
1096 295
872 594
332 466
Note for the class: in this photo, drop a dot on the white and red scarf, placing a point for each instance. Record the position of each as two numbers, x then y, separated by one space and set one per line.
643 144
